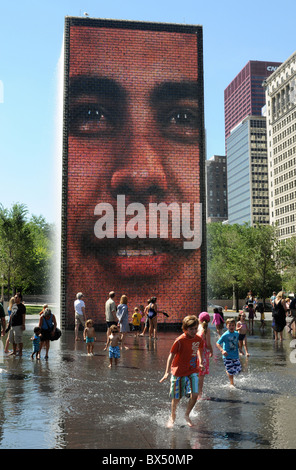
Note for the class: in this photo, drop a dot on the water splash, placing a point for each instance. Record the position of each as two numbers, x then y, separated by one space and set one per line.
56 268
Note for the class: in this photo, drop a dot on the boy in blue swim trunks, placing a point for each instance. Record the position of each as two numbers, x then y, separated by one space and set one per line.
113 343
228 345
184 363
89 337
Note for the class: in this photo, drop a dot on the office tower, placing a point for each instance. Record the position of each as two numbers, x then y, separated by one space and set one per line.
245 95
280 90
247 172
216 178
245 144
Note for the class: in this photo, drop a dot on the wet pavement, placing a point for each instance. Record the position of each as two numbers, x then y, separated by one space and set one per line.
73 401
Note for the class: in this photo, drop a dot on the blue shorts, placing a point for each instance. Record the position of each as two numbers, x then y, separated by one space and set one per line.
183 386
114 352
232 366
89 340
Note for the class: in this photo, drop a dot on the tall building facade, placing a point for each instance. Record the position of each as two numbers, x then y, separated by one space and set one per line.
216 183
280 90
245 144
247 172
245 95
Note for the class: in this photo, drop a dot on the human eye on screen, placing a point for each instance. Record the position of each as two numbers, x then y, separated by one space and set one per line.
180 123
91 120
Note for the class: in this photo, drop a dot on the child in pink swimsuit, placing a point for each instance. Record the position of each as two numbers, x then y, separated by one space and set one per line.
207 350
218 321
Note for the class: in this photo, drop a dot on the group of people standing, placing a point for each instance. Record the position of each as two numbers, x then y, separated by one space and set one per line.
16 325
282 307
117 321
142 316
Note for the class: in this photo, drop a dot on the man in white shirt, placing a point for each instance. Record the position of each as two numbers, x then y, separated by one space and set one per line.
110 312
79 307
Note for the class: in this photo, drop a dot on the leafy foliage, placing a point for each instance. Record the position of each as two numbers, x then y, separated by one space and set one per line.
287 262
242 258
26 251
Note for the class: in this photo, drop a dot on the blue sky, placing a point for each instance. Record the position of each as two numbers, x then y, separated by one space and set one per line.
31 36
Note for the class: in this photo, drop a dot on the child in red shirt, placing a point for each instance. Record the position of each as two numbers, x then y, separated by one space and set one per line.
184 362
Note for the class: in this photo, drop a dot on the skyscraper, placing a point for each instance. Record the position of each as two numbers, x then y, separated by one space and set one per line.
216 177
245 144
248 172
245 95
281 127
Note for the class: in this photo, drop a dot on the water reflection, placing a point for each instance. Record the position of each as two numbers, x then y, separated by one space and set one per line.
75 401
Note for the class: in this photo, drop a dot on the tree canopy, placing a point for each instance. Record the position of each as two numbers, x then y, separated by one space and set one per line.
287 263
26 251
242 258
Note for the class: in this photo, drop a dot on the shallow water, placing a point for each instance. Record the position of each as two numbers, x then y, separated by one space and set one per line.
73 401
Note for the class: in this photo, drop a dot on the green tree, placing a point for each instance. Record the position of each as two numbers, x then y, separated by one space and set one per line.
16 245
287 263
42 235
264 274
228 260
25 250
242 258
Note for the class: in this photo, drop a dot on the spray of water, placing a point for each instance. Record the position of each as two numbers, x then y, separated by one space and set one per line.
58 180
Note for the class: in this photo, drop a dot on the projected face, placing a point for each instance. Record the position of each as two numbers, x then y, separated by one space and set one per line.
134 139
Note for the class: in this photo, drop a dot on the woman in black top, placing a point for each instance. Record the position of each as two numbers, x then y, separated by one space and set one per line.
279 315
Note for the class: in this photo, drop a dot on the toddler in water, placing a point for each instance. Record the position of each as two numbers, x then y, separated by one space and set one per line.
136 320
242 329
228 345
36 338
89 337
252 314
218 320
207 350
113 343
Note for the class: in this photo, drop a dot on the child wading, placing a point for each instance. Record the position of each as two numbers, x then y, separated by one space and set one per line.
207 350
36 338
89 337
183 364
113 343
242 329
136 320
229 349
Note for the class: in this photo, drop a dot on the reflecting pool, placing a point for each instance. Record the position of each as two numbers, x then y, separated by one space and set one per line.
74 401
